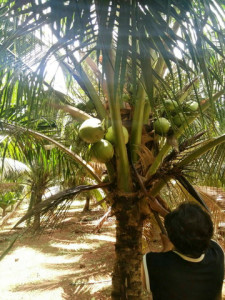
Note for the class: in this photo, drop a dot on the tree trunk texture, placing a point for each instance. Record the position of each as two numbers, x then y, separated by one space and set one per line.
37 216
87 203
126 278
4 212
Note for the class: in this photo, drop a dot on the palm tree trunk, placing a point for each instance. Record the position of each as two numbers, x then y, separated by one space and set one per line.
37 216
126 279
3 211
87 203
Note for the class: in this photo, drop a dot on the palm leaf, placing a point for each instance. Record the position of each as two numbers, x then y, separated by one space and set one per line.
189 187
18 129
52 202
207 145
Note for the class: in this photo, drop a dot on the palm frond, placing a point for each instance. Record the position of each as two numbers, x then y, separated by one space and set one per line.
18 129
52 202
189 187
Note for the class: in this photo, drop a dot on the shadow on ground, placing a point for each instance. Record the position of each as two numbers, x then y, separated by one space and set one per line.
68 262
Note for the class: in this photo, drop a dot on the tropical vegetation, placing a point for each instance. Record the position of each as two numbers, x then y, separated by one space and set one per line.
153 68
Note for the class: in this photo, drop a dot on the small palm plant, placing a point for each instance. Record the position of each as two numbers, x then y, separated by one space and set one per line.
7 199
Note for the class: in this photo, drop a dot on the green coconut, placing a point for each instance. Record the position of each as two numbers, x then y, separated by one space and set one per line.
91 131
171 105
161 126
102 151
191 106
179 119
110 136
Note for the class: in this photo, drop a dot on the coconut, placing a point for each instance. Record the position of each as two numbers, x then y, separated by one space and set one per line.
102 151
111 137
161 126
171 105
179 119
91 131
191 106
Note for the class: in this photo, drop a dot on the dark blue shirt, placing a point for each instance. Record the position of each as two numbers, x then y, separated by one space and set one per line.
173 277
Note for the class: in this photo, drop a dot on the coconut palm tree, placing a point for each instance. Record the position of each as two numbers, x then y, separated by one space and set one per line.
154 68
43 167
11 188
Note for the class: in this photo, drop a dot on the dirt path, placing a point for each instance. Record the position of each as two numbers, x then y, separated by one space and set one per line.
68 263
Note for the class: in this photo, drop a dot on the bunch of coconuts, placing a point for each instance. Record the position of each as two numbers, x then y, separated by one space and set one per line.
179 117
102 143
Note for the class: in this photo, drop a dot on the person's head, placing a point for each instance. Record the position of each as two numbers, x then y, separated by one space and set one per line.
190 229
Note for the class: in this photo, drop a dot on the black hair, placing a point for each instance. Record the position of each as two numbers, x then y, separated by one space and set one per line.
190 229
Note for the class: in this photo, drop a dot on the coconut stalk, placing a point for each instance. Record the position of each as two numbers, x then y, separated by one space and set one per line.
137 122
123 169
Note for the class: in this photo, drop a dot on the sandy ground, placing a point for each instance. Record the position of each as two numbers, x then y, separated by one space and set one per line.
69 262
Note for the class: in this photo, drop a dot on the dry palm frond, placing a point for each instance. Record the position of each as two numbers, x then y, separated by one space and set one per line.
102 220
56 216
146 159
215 199
98 167
145 138
49 205
214 195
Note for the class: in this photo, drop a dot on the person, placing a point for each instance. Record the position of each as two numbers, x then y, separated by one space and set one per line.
191 265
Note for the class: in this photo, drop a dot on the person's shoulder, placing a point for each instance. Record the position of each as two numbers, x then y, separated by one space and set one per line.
214 245
155 259
155 255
